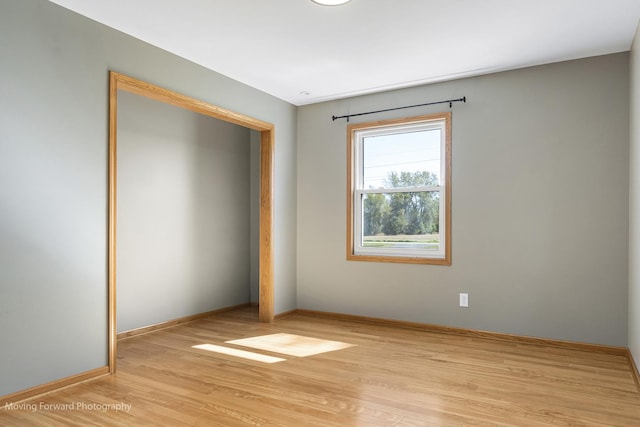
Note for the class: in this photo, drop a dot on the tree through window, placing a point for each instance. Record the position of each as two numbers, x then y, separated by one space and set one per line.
399 190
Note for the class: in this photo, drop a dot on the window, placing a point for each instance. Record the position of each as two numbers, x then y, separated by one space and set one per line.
399 182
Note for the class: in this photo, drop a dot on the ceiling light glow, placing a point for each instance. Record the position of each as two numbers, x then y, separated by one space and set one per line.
331 2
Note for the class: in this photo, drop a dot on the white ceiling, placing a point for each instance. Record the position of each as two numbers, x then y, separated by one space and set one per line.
304 53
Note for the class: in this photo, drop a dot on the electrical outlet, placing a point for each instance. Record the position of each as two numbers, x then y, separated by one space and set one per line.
464 300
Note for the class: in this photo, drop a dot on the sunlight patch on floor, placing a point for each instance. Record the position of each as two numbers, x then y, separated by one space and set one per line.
239 353
291 345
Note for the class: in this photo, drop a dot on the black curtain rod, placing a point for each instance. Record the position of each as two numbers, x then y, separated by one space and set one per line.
448 101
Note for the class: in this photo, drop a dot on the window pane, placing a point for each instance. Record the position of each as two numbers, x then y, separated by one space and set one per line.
408 220
406 159
400 191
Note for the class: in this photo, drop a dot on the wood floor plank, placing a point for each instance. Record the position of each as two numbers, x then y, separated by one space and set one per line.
389 377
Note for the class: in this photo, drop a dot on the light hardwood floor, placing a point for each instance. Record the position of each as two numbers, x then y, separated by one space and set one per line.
388 377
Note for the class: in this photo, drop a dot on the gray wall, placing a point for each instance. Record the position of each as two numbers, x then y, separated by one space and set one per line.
254 230
634 203
183 213
53 169
540 207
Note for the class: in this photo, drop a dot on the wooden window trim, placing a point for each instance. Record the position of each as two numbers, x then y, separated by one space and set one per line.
351 131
